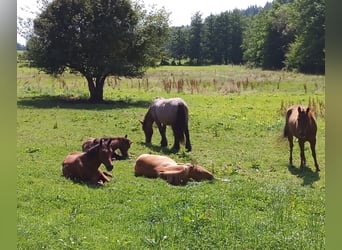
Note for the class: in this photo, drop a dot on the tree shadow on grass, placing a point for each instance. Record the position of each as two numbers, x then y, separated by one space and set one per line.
306 174
47 102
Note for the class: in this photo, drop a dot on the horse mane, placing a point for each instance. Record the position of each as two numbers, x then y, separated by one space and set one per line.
91 152
148 115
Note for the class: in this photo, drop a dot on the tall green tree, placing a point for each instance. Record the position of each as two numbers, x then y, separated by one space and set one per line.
211 43
307 53
279 34
237 28
178 42
97 38
253 39
195 41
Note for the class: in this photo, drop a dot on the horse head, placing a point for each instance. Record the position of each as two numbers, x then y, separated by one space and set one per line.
123 143
199 173
148 130
105 154
303 122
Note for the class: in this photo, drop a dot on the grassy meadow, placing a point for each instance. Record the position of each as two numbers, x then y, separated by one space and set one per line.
236 123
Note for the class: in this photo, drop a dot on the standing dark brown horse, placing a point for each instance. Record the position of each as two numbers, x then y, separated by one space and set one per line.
85 165
163 112
119 142
301 123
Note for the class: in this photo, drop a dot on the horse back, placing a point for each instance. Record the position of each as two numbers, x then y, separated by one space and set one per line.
72 165
149 165
166 110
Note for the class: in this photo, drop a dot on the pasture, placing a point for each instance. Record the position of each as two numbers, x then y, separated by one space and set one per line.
236 123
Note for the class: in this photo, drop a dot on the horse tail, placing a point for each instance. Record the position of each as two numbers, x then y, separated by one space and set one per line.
286 127
286 132
181 122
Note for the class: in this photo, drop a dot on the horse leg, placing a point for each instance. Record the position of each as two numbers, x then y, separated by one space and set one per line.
313 152
99 178
302 153
187 139
290 139
107 174
176 144
162 131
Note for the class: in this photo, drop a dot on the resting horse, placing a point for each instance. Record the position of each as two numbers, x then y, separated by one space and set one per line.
163 112
153 166
301 123
119 142
85 165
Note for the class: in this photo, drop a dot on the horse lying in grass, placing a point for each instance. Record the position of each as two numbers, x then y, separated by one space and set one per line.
85 165
119 142
300 122
163 112
153 166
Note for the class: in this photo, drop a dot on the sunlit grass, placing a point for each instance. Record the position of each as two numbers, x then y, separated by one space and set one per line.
256 202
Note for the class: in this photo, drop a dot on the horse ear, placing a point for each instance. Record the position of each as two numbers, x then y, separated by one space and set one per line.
299 109
308 110
109 142
141 121
125 136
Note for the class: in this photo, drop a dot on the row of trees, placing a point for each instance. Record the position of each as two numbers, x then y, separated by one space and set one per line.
99 38
286 34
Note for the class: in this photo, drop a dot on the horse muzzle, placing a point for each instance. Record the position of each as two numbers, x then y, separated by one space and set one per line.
110 167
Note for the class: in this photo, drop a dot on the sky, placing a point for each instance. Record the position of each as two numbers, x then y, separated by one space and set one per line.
181 10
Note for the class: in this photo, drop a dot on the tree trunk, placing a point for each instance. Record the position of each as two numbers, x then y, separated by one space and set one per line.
95 86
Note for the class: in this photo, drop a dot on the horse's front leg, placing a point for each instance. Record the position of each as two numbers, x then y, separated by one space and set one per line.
107 174
302 153
313 152
162 131
102 178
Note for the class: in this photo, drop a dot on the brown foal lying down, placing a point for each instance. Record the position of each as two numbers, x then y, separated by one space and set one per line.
153 166
85 165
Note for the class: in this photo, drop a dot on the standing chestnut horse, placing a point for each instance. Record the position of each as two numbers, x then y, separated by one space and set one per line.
301 123
85 165
163 112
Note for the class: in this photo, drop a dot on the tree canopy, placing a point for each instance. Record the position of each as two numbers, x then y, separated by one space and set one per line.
97 38
284 34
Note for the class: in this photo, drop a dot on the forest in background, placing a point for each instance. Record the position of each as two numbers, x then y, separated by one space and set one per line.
284 34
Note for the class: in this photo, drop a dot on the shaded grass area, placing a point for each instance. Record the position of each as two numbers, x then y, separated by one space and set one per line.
256 202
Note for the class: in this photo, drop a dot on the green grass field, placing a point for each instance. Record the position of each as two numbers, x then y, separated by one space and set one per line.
236 123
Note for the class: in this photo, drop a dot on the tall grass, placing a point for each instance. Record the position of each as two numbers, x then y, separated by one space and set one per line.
256 202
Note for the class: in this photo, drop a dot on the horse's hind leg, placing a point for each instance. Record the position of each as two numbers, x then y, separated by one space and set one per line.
187 139
290 139
313 152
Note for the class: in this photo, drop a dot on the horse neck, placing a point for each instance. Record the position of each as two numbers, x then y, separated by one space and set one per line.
92 159
115 142
148 119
